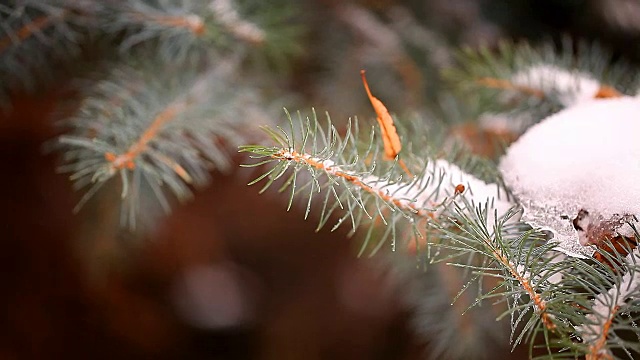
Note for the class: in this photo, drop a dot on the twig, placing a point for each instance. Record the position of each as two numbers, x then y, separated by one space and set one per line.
597 350
191 22
30 28
606 306
229 17
539 303
127 159
336 171
604 92
508 85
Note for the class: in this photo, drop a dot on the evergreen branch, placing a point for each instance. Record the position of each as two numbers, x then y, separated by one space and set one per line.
597 350
524 279
509 85
272 30
177 26
370 193
32 33
333 166
540 80
359 182
169 135
582 302
599 324
367 191
30 29
227 15
191 22
518 258
603 92
182 29
128 158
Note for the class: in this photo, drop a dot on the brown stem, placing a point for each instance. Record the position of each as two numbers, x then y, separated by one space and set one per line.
192 23
29 29
294 156
508 85
538 302
604 92
597 351
127 159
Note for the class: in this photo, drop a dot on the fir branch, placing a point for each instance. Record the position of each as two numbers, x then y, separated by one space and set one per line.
525 264
169 135
509 85
368 192
359 182
32 34
31 28
540 80
191 22
188 30
597 330
603 91
523 277
177 26
227 15
597 350
372 189
271 30
128 158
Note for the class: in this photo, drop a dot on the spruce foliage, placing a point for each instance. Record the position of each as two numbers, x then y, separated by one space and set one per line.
179 86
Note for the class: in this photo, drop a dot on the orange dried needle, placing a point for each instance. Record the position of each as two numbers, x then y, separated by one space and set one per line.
607 92
390 138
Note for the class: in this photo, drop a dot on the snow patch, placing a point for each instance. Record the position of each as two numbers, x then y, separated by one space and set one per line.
505 123
570 86
584 157
438 186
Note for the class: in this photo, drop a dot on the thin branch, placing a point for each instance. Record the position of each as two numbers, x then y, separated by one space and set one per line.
538 302
31 28
190 22
606 306
508 85
598 350
228 16
604 92
353 179
127 159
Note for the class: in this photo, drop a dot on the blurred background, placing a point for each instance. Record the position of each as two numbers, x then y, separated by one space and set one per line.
231 274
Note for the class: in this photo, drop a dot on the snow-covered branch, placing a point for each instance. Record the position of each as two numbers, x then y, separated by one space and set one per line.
606 306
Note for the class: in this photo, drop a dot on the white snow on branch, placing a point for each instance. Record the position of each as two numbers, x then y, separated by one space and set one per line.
586 157
429 194
607 305
505 123
570 87
437 187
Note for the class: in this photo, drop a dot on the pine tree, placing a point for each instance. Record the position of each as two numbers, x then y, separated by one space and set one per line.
510 168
